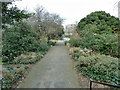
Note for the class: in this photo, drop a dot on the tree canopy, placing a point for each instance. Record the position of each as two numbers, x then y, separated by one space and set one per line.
47 24
12 14
104 22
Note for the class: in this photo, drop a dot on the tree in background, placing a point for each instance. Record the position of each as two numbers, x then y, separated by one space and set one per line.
12 14
104 22
99 31
49 25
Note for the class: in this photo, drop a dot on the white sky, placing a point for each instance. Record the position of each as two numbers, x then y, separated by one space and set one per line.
71 10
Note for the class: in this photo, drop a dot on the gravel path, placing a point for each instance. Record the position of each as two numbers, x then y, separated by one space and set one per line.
55 70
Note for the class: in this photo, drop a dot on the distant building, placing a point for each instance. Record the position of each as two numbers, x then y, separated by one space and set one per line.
69 29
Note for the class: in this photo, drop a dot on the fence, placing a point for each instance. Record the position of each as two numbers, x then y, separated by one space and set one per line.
92 81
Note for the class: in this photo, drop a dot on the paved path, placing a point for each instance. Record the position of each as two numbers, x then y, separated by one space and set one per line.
55 70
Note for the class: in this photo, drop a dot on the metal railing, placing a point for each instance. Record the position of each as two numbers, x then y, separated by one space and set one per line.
92 81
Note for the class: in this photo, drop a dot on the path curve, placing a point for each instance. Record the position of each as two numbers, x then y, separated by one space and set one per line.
55 70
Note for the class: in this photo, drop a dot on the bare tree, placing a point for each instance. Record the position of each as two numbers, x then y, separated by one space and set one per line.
39 13
49 25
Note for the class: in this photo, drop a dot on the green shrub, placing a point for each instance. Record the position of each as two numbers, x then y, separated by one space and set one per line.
106 43
74 42
20 39
103 21
37 47
51 43
43 47
99 32
77 52
100 67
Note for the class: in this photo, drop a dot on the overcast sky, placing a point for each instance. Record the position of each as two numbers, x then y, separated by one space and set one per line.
71 10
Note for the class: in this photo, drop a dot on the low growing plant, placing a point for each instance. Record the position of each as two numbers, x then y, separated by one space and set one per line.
11 74
100 67
29 58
